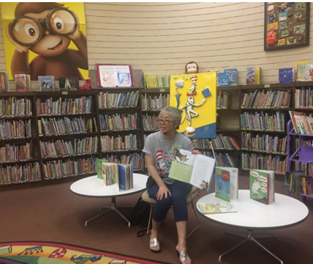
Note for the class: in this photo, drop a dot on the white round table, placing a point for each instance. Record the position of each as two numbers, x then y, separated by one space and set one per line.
94 187
285 211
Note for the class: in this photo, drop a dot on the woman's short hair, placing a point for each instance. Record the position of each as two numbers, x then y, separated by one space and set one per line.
174 113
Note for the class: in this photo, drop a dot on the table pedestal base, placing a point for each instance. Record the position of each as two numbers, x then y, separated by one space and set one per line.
110 209
249 237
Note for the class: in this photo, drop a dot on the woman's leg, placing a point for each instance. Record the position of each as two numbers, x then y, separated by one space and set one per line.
160 210
179 191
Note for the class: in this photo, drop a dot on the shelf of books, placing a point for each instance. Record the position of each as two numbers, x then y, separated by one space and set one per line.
19 158
67 130
263 117
121 137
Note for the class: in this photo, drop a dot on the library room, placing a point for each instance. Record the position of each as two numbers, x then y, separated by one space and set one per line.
156 132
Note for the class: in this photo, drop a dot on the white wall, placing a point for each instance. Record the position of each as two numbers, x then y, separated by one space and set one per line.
160 38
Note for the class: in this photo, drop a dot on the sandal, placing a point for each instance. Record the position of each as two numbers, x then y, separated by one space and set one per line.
183 256
154 242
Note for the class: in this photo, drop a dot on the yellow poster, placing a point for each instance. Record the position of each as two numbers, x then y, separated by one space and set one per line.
43 39
195 95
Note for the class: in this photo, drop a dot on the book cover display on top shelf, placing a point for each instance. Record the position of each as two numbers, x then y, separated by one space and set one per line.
286 75
262 185
216 208
222 80
226 183
253 75
195 95
22 82
4 82
114 75
194 169
232 76
305 73
46 83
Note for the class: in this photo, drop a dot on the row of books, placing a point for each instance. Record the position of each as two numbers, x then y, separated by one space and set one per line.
12 174
154 103
266 99
118 100
263 162
222 100
118 122
301 123
265 122
150 122
227 78
120 175
63 106
66 126
304 98
11 153
13 106
263 143
15 129
135 159
296 182
222 159
61 148
118 143
220 142
157 81
306 168
65 168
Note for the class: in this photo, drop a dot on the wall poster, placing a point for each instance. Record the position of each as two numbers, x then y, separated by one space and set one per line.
286 25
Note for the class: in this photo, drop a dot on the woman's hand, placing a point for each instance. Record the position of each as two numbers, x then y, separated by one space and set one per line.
195 151
163 190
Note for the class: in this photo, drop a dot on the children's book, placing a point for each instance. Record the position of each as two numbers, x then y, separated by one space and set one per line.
194 169
226 183
115 174
46 83
285 75
4 82
232 76
222 80
250 76
257 75
305 73
298 63
73 83
216 208
22 82
262 187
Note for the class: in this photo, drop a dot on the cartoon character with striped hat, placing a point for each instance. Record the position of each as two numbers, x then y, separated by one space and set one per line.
190 104
160 160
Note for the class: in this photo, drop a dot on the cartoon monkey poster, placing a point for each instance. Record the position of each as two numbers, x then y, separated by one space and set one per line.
45 39
195 95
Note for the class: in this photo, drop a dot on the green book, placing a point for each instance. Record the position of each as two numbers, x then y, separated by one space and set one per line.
262 187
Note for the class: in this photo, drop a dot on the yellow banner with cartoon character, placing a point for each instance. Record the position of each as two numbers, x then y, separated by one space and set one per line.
43 39
195 95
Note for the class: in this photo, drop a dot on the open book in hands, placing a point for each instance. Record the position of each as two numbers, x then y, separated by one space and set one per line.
194 169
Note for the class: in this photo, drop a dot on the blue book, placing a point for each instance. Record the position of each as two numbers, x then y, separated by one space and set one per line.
232 76
206 92
222 79
125 176
285 75
222 183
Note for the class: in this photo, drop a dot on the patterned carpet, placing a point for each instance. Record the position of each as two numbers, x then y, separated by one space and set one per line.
55 253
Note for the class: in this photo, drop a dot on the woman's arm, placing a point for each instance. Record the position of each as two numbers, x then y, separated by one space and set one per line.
163 190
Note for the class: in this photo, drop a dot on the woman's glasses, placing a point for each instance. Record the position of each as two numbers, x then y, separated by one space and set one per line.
164 122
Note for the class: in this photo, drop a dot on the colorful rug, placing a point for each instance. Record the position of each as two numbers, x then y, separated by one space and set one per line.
55 253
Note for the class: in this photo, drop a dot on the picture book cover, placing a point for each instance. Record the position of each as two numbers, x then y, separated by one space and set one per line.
232 76
305 73
46 83
4 82
285 75
222 80
226 183
73 83
194 169
250 76
262 187
216 208
22 82
125 176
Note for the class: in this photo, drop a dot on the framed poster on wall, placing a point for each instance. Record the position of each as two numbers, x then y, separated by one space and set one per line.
286 25
114 75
